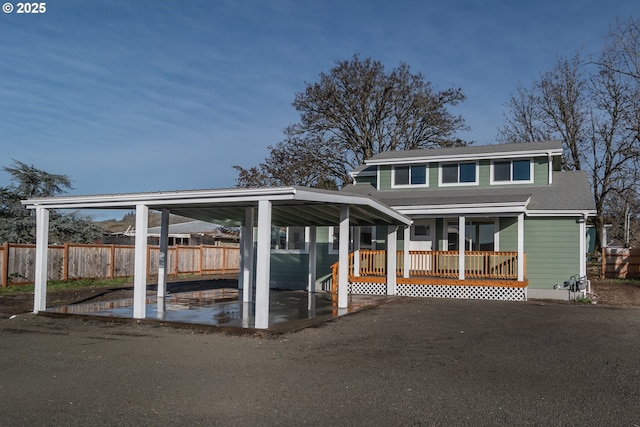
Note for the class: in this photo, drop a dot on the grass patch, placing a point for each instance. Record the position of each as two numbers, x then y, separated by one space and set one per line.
67 285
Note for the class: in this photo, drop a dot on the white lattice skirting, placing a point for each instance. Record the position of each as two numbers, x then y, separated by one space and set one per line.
443 291
362 288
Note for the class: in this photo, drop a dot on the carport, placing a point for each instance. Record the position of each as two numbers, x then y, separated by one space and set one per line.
252 209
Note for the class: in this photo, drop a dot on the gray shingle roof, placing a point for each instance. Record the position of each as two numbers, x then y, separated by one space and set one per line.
569 191
469 150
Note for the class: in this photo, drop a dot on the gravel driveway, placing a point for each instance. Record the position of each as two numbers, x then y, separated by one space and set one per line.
409 362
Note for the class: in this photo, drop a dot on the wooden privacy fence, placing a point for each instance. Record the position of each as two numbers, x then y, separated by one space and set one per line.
621 263
74 261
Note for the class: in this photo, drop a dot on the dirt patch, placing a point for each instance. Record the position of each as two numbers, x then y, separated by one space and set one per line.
616 292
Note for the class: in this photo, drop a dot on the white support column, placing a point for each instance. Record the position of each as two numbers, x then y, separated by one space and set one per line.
140 265
582 222
356 251
462 242
263 264
246 255
42 246
163 260
311 280
521 247
343 259
407 257
392 249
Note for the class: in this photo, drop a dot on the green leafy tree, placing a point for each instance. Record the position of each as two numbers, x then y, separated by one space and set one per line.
17 223
355 111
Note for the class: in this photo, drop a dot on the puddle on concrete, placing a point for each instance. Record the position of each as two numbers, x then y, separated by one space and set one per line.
221 307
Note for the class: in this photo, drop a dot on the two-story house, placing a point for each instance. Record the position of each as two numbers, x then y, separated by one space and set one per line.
495 221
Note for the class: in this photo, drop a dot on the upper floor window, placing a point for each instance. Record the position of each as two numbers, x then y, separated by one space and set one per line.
512 171
289 238
410 175
458 173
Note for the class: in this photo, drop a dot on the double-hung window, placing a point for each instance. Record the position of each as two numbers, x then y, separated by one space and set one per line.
459 173
410 175
506 171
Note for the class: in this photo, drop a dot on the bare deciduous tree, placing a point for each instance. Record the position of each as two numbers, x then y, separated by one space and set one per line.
594 108
354 112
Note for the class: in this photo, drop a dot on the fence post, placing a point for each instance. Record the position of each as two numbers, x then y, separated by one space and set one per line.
5 265
112 261
224 259
201 257
65 262
177 266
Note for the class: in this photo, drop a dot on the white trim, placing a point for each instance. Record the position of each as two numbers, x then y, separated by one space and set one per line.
311 277
492 181
549 212
343 259
392 248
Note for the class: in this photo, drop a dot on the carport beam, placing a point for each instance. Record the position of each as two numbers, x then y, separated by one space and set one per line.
311 284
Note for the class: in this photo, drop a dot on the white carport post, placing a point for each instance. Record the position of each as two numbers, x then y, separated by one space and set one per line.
343 259
356 251
407 257
392 253
140 266
311 280
461 246
42 246
520 247
246 255
163 260
263 264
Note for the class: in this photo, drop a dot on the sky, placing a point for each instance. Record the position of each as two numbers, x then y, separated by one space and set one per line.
134 95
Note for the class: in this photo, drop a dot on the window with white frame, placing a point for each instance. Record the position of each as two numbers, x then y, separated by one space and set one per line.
512 171
410 175
458 173
289 238
367 238
479 236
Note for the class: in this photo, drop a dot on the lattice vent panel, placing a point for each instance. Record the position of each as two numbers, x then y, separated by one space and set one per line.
368 288
463 292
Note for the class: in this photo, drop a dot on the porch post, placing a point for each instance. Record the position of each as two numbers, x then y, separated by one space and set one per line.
140 265
461 246
582 222
407 256
356 251
163 260
520 247
392 249
42 246
343 259
246 255
263 264
311 279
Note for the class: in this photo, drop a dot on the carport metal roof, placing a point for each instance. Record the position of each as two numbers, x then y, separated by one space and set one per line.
291 206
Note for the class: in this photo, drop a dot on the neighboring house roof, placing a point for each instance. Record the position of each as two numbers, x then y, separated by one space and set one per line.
189 228
468 152
569 193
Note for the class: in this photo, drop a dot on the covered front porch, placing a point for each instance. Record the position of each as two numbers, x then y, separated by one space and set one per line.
440 274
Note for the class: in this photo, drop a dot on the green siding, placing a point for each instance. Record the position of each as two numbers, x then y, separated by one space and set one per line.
508 233
385 177
484 173
552 249
540 171
364 180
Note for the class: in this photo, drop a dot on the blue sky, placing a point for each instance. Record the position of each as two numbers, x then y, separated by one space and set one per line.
128 96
